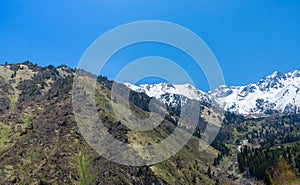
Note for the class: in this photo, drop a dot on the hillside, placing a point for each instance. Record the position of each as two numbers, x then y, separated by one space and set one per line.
40 142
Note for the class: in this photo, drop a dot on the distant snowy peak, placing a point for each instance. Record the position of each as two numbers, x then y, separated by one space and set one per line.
154 90
272 81
171 93
278 92
275 93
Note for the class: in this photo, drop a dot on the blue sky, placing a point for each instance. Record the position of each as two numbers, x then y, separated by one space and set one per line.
250 39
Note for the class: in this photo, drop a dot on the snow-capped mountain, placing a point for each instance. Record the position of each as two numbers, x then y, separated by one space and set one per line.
278 92
172 94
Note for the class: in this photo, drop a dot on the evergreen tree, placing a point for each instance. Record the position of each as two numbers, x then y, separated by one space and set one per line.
209 172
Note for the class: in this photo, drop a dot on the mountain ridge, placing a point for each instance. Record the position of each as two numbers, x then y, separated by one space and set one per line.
275 93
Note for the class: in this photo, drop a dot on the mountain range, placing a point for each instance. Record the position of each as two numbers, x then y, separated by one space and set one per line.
41 143
275 93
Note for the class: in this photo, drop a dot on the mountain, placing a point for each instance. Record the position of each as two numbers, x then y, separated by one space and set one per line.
172 94
41 143
276 93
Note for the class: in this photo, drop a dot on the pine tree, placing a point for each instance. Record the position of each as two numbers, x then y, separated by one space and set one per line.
209 172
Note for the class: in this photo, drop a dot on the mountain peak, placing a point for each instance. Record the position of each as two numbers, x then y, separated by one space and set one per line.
273 93
167 85
294 74
273 81
275 75
171 93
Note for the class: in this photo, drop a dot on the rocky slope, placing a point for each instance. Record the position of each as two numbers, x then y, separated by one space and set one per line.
40 142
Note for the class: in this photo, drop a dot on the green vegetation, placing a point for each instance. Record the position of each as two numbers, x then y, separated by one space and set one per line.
260 160
283 173
27 166
268 178
4 137
28 116
82 165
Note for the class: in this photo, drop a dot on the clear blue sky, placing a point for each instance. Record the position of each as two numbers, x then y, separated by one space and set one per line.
250 39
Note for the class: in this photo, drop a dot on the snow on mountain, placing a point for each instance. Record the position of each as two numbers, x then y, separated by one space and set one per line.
172 94
278 92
